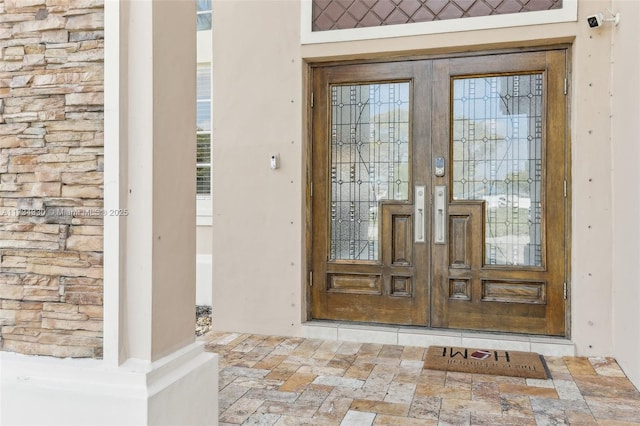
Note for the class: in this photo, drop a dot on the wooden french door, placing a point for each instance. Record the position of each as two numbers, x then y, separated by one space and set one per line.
439 193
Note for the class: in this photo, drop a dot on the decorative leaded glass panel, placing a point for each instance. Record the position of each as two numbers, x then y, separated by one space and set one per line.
369 162
497 157
344 14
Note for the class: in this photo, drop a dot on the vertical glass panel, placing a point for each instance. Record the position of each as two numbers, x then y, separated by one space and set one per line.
497 157
203 82
203 115
369 162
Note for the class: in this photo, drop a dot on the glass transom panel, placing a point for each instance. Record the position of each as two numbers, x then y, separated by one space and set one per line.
369 135
497 157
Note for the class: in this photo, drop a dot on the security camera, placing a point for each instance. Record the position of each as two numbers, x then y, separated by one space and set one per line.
595 21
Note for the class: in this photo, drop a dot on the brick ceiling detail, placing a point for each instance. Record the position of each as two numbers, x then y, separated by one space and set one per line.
345 14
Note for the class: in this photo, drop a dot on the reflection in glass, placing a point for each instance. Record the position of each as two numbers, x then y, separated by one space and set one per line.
497 157
369 163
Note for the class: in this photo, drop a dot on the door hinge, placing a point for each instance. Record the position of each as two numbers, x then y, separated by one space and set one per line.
565 188
311 189
565 291
310 278
312 98
566 85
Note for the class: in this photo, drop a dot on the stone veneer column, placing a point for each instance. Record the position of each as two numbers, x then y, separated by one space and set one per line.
153 371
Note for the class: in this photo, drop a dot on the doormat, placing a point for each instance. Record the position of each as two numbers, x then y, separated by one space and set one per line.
483 361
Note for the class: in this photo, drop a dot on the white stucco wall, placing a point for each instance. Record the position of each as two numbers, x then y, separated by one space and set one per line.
625 137
258 245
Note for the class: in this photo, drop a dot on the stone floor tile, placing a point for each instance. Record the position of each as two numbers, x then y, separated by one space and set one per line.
401 393
248 344
307 348
240 410
425 407
499 379
581 419
333 409
579 366
609 387
618 409
454 418
349 348
327 349
433 377
270 362
516 406
379 379
391 351
229 395
267 380
250 382
386 420
220 338
567 389
370 350
272 341
288 345
297 421
358 418
297 382
457 380
540 383
287 409
413 353
246 372
506 388
338 382
485 391
415 366
321 370
262 419
554 411
495 420
271 395
606 366
315 397
372 395
394 409
342 362
359 371
558 368
470 406
442 392
307 360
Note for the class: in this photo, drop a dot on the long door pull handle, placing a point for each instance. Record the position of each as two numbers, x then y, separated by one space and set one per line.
419 216
440 213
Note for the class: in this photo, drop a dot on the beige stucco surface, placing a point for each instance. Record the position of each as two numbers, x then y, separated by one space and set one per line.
625 139
159 286
258 245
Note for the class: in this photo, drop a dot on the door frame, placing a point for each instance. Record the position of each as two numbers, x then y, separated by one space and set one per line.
311 64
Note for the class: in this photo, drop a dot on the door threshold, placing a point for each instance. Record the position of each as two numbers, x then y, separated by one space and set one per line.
425 337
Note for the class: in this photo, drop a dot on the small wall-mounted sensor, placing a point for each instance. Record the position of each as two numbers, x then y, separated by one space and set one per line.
275 161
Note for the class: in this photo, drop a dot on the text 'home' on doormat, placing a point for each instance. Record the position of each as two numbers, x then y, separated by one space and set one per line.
486 361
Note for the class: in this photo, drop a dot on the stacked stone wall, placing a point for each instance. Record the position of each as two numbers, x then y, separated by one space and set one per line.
51 180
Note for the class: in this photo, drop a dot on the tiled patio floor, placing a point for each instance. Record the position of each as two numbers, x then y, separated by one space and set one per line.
269 380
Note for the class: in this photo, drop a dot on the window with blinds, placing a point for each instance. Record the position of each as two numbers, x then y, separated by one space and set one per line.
203 130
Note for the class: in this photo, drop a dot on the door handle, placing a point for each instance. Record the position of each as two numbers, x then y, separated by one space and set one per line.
419 205
440 215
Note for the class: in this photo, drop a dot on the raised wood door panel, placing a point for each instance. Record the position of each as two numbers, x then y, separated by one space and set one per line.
367 136
503 121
